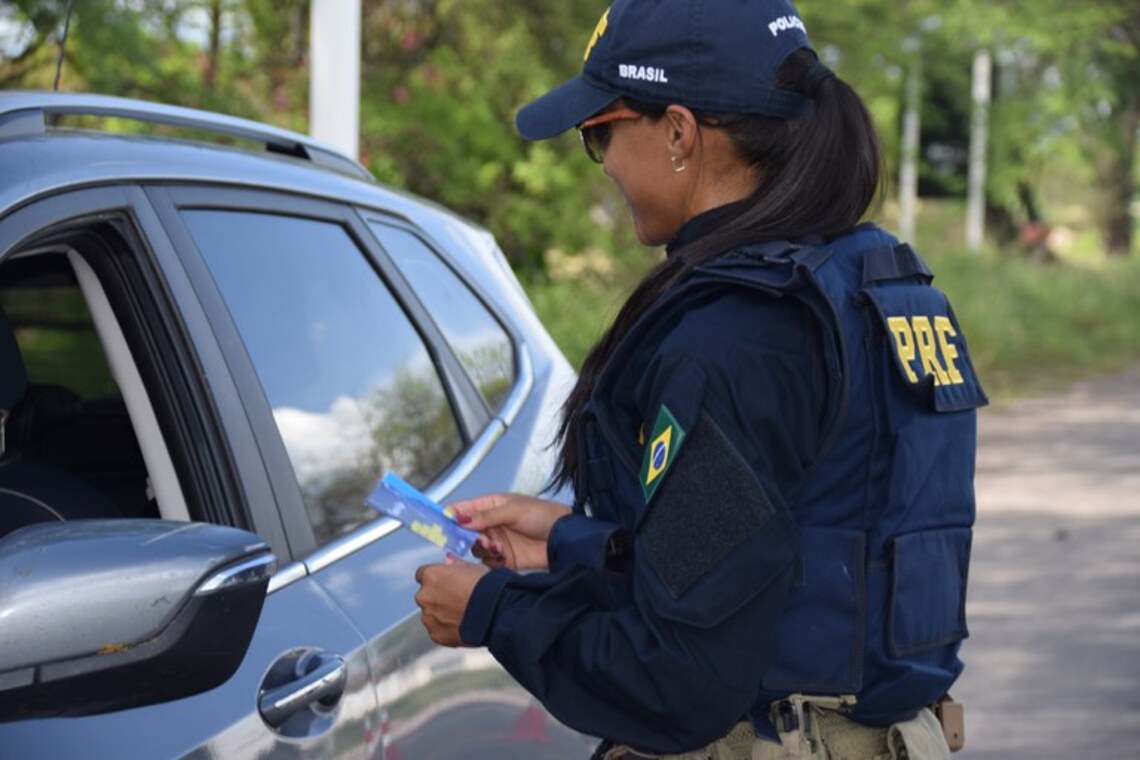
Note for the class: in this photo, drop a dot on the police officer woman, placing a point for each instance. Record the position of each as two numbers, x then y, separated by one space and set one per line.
771 449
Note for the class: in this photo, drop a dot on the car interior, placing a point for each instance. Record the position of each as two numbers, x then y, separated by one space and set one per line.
72 405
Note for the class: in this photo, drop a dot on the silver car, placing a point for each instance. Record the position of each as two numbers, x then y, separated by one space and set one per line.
213 343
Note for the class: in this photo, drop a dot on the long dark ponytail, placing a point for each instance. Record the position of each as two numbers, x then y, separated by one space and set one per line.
819 174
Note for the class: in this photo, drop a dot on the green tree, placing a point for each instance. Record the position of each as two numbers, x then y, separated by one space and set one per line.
1067 95
1066 90
1115 60
442 82
110 48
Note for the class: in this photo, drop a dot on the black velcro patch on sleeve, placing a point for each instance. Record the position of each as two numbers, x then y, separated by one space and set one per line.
709 503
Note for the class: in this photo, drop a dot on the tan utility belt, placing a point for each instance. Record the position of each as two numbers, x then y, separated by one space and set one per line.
788 714
812 727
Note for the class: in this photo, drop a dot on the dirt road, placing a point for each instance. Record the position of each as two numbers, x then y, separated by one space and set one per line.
1053 659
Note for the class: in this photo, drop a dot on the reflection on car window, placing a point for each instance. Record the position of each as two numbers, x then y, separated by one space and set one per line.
479 341
353 389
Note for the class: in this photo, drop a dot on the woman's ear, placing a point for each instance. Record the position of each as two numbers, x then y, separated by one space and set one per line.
683 129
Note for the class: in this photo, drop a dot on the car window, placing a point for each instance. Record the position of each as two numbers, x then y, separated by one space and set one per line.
69 415
353 388
476 337
54 329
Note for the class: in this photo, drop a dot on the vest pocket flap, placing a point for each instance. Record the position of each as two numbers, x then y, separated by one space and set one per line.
748 574
928 592
820 636
712 539
928 346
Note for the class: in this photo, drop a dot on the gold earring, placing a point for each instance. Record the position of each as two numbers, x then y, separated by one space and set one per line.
677 163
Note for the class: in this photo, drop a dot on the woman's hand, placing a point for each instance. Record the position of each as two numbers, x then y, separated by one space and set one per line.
513 528
443 596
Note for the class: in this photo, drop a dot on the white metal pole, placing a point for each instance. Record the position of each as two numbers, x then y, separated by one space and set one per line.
334 73
908 166
979 138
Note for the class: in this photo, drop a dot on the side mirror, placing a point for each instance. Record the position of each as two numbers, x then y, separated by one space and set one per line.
102 615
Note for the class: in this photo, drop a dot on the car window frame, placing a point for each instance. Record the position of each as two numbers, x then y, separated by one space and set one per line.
434 249
523 380
159 299
479 429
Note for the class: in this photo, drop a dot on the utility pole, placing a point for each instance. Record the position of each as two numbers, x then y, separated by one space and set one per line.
908 164
979 138
334 73
912 127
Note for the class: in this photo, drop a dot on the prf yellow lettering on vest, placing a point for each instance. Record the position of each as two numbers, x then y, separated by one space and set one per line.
928 350
945 331
904 344
917 338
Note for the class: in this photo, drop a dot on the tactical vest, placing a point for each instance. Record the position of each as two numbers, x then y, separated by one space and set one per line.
877 603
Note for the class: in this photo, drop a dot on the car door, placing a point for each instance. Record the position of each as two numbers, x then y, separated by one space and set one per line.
357 350
238 426
204 463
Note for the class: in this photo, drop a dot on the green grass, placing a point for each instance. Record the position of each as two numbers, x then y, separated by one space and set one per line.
1031 327
1034 328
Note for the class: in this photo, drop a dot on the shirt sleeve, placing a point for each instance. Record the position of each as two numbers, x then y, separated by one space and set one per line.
667 654
580 540
608 665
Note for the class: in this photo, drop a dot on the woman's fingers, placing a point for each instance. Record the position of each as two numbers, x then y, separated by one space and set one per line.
489 551
513 528
504 513
469 507
444 592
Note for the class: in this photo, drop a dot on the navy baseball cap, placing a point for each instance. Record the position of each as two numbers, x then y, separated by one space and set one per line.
708 55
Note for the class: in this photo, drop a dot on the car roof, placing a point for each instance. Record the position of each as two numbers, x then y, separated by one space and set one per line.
29 111
38 159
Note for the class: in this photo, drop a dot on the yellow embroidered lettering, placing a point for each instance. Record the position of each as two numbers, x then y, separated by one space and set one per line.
945 330
928 350
904 344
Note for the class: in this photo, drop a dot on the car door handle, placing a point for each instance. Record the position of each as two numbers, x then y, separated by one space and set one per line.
323 681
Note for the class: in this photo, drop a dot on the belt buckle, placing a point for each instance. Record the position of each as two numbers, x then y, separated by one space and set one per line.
786 718
793 720
794 715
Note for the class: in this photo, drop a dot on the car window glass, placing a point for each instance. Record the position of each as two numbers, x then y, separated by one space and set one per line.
476 337
353 388
55 332
69 415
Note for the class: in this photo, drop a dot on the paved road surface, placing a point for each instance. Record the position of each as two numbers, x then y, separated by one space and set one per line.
1053 659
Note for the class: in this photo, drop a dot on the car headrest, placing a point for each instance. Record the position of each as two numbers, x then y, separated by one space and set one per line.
13 375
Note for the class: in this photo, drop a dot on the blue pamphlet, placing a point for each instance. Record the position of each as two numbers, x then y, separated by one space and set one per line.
397 498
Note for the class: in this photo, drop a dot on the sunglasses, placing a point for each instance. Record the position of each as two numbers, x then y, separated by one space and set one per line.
596 132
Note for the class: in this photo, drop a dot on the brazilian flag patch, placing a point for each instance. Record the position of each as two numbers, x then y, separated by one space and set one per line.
664 443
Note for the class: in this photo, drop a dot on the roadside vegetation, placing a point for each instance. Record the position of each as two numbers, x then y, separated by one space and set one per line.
1032 326
1051 294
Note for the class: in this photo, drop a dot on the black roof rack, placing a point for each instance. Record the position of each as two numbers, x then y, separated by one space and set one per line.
28 113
